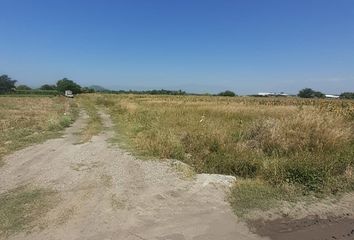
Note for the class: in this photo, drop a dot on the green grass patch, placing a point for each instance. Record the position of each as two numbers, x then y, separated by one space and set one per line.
22 208
254 194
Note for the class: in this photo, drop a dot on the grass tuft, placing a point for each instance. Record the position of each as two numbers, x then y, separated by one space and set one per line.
21 208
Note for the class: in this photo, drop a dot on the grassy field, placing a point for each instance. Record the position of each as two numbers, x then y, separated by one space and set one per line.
282 147
278 148
28 120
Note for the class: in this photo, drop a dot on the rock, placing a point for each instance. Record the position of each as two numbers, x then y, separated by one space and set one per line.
225 180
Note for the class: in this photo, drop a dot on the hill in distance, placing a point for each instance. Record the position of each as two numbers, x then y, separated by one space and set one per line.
98 88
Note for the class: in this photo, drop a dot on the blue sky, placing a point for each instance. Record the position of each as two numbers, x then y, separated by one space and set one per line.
197 45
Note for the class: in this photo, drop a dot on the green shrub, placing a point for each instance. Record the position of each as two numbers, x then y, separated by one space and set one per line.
36 92
65 121
254 194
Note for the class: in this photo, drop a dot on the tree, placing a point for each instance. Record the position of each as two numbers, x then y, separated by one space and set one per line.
227 93
347 95
48 87
66 84
6 84
23 87
309 93
87 90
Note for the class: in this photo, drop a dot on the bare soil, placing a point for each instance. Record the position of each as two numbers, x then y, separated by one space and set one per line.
312 227
105 193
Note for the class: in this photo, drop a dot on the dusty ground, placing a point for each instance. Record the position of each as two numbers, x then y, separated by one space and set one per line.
105 193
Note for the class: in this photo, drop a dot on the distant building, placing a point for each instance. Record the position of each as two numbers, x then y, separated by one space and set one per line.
269 94
331 96
265 94
68 93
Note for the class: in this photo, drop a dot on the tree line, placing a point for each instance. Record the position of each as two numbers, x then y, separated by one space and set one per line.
7 85
310 93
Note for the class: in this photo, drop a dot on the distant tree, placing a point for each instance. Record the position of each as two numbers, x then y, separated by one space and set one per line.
87 90
48 87
347 95
227 93
309 93
66 84
23 87
6 84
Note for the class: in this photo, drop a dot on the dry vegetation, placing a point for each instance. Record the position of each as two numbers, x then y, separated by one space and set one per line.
94 125
27 120
23 207
279 148
24 121
285 146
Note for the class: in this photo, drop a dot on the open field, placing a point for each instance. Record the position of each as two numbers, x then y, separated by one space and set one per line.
92 190
291 157
28 120
283 147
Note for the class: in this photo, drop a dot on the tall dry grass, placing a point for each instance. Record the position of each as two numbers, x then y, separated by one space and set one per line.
26 120
282 141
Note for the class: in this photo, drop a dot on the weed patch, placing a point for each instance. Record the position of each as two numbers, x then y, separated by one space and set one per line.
21 208
94 125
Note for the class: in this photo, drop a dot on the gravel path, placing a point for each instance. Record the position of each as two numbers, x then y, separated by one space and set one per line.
105 193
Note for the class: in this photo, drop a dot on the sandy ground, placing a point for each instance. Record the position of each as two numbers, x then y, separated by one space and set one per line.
105 193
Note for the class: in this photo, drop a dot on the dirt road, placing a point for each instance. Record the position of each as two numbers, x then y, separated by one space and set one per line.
105 193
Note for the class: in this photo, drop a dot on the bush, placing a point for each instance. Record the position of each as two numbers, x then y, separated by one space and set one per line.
347 95
48 87
227 93
23 87
65 121
36 92
309 93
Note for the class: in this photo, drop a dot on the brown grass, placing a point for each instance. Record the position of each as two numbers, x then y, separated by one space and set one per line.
27 120
94 125
286 143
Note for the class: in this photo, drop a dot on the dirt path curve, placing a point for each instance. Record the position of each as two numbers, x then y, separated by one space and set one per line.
105 193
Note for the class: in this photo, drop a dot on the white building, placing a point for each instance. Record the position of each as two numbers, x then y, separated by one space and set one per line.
265 94
69 93
331 96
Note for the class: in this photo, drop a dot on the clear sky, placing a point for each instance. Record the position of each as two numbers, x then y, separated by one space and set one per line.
196 45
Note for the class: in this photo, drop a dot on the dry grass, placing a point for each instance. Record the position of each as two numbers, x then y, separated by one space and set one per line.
304 131
285 143
28 120
22 208
94 125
